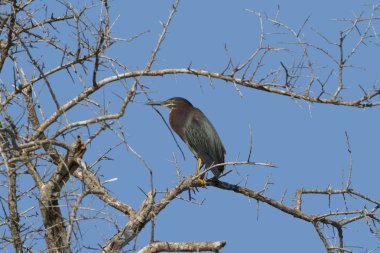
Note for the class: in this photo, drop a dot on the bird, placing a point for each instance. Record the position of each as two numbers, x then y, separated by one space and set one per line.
194 128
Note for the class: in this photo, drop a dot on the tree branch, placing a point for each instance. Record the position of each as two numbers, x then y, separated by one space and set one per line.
182 247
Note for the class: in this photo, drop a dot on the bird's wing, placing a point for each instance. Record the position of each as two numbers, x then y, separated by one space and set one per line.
203 139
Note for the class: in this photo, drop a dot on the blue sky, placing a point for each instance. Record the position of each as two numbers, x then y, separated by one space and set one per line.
306 141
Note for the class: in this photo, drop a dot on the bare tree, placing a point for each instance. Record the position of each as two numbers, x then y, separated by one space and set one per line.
42 145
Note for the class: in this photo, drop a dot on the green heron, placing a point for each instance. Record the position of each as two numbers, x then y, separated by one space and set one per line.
197 132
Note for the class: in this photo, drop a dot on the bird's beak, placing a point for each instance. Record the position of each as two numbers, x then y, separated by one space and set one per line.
156 103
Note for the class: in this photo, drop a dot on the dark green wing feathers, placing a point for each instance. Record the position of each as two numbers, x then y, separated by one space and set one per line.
204 141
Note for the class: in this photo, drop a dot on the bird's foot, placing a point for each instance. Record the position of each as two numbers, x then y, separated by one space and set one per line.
202 181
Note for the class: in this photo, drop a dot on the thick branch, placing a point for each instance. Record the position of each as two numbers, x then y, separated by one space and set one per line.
182 247
132 228
268 87
14 217
278 205
55 229
7 46
96 188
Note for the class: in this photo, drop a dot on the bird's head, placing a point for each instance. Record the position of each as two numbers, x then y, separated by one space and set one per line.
172 103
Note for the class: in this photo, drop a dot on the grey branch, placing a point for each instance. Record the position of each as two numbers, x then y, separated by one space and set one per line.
182 247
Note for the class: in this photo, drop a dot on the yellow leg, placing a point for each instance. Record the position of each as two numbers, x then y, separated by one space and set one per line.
200 178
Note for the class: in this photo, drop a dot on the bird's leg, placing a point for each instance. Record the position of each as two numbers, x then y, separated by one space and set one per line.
200 178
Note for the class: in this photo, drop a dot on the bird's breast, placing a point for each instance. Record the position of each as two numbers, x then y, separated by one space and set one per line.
178 120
